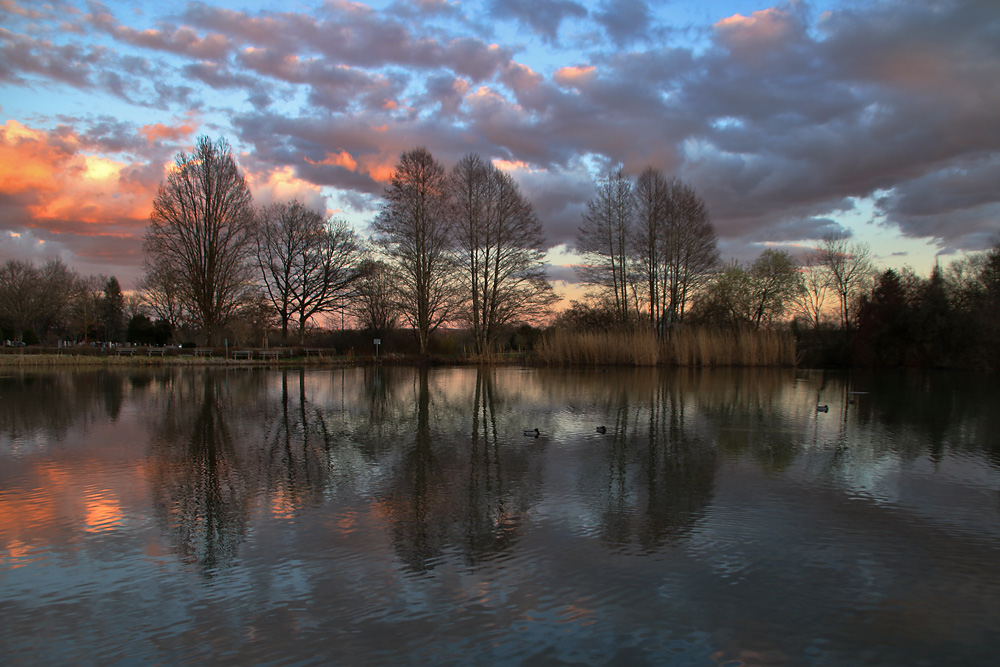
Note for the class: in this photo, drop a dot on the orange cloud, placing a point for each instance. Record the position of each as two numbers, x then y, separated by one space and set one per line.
765 27
282 184
341 159
575 76
54 180
26 160
379 167
513 165
159 132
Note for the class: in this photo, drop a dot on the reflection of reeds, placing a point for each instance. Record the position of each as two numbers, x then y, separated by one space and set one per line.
683 347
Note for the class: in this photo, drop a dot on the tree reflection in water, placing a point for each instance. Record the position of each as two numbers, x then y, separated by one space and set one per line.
202 483
429 508
441 450
660 465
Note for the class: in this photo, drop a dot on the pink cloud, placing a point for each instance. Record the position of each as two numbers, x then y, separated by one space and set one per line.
60 188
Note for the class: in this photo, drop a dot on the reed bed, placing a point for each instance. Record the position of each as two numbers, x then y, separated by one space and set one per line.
683 347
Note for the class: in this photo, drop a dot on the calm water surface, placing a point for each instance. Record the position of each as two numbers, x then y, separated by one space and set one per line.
401 516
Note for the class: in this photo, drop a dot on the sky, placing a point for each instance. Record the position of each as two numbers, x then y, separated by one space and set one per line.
877 119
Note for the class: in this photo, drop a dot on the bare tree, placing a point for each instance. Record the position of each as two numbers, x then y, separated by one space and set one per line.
85 307
754 295
283 234
134 305
604 239
56 283
330 271
808 302
692 247
375 306
161 292
202 228
499 244
774 281
20 298
414 228
649 242
306 263
849 268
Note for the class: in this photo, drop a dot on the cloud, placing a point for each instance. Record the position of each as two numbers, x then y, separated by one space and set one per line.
624 21
282 185
180 40
783 118
54 190
355 35
542 16
157 132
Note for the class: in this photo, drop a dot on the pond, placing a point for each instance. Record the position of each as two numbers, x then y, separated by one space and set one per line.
372 516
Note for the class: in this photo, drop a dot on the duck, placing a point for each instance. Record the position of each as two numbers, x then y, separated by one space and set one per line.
822 408
602 429
533 433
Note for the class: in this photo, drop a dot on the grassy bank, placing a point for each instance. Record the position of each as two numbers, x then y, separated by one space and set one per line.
684 347
34 358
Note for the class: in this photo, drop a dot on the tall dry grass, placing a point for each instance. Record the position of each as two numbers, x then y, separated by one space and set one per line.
683 347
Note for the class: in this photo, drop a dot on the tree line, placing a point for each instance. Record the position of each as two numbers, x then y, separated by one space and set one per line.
53 302
464 247
460 246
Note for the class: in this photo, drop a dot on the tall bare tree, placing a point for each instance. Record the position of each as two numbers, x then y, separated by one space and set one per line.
307 264
414 229
849 269
649 233
692 248
603 239
499 245
202 228
673 243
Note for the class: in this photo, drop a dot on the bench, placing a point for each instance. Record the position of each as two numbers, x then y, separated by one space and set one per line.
125 351
203 351
242 354
157 351
318 351
270 354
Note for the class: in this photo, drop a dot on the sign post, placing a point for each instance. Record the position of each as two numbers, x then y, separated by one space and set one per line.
378 341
